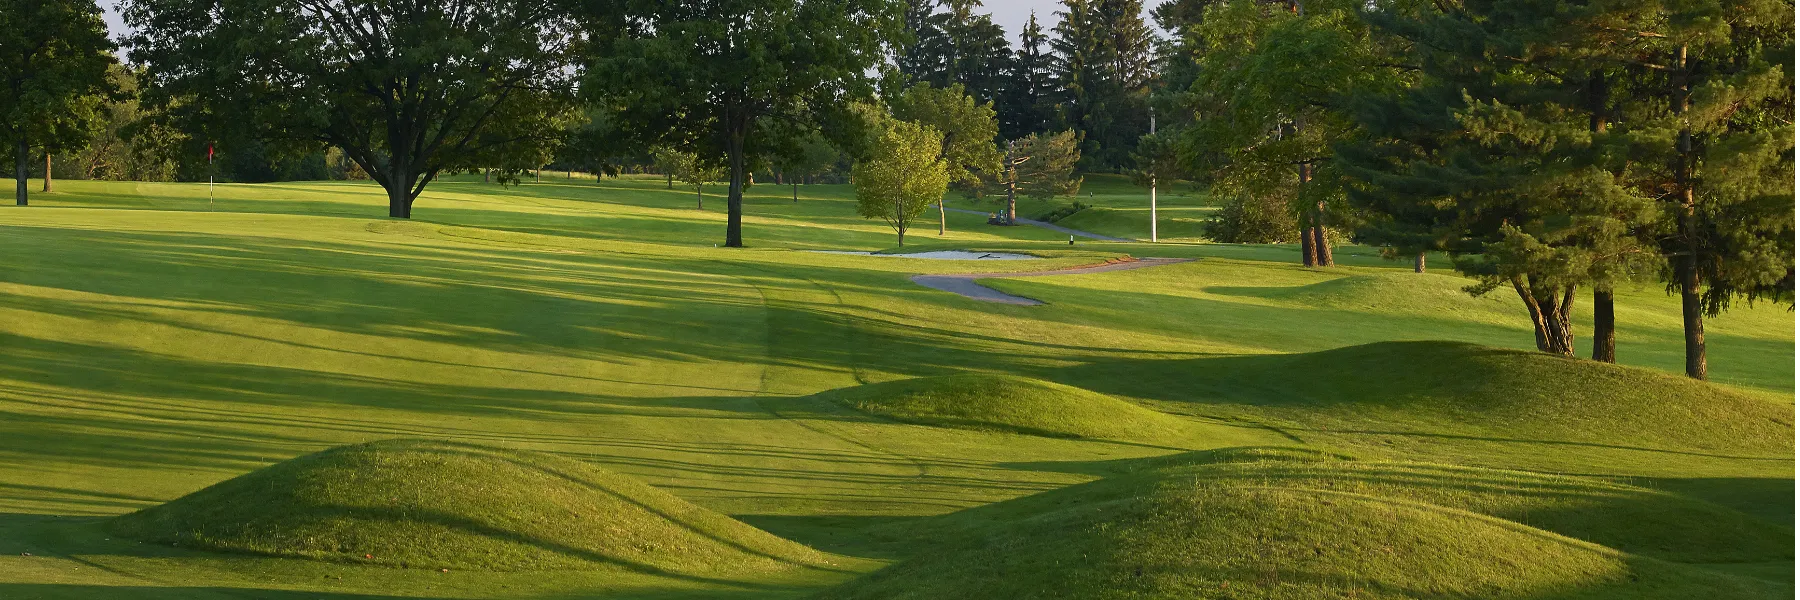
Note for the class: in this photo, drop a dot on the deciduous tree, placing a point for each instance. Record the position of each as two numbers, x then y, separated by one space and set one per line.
733 80
408 90
968 129
54 57
902 175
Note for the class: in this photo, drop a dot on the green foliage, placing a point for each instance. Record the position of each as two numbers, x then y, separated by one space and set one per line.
1252 219
1009 403
733 82
450 87
1027 104
1267 102
1104 64
956 47
903 174
1049 168
55 60
432 504
968 128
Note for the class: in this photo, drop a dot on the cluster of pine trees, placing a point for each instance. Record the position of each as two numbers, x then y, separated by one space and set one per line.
1092 72
1551 147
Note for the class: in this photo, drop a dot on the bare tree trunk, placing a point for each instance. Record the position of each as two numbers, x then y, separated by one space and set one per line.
21 172
796 191
1693 323
1307 257
699 197
1536 312
46 170
1012 203
942 221
1419 263
1320 243
671 179
1603 326
734 198
485 174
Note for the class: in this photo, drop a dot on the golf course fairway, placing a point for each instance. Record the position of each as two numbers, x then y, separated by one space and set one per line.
568 389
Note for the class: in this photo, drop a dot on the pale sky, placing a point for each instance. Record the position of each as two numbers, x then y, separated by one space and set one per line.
1010 14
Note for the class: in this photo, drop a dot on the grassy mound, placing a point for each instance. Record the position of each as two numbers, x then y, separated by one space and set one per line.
430 504
1459 391
1306 529
1391 292
1007 403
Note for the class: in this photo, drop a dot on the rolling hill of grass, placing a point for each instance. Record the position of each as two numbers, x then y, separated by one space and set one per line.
1008 403
158 345
432 504
1299 528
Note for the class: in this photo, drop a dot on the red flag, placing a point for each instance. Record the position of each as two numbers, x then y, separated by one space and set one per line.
209 154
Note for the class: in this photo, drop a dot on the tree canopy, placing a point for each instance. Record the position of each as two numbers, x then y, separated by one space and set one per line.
408 91
732 80
903 174
54 61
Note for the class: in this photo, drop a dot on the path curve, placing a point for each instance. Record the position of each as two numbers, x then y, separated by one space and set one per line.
1049 226
964 285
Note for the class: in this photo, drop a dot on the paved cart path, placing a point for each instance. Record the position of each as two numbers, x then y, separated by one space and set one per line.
966 286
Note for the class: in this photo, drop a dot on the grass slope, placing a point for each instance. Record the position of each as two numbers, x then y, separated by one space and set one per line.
1295 527
1009 403
433 504
1421 398
157 343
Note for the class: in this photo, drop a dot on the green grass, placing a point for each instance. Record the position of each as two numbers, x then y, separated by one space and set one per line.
157 345
1303 529
434 505
1117 208
1007 403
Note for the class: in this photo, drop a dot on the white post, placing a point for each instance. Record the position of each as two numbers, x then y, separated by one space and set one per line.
1153 180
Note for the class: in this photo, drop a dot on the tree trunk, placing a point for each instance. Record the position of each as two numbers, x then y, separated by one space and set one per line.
1687 263
902 234
1693 325
1536 312
671 179
1419 263
1320 243
398 207
734 199
1306 244
21 169
941 219
1012 203
778 178
699 197
46 170
1603 326
485 173
796 191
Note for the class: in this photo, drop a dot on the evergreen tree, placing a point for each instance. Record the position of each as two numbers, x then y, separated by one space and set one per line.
1104 64
1502 155
1714 143
1029 99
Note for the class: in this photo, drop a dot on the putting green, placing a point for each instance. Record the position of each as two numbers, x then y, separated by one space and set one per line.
156 345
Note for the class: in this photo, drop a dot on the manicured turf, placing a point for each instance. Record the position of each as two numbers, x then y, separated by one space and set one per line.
155 346
436 505
1008 403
